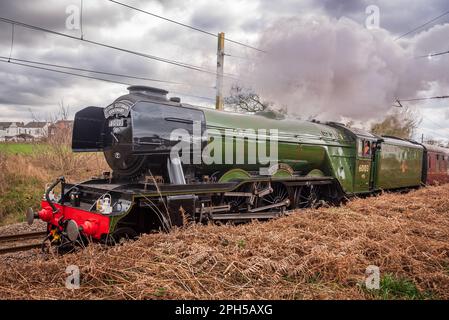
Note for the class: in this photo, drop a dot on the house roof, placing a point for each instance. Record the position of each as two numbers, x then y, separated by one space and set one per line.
60 124
4 125
65 121
35 124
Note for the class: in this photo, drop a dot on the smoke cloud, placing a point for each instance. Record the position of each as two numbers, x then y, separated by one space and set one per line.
328 68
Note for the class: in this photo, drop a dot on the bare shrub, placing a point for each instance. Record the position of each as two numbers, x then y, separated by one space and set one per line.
2 172
56 156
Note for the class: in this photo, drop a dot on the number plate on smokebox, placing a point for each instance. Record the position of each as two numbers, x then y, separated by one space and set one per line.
116 123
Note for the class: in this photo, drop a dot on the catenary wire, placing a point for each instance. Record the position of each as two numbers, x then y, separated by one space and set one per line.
184 25
148 56
422 25
104 72
95 78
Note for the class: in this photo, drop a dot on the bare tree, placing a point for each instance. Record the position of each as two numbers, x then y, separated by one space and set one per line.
246 100
401 124
64 111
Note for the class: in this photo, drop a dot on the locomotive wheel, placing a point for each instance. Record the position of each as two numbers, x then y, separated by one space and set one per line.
122 234
306 197
238 203
279 194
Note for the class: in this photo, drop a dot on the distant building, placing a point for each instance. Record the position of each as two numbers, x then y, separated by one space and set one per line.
18 131
8 130
3 127
36 129
60 126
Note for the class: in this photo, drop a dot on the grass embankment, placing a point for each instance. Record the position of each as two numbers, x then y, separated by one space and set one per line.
17 148
314 254
25 169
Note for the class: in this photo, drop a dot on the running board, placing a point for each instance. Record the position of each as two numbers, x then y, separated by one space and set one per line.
284 203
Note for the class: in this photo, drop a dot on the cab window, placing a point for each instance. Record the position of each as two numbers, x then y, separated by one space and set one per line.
364 148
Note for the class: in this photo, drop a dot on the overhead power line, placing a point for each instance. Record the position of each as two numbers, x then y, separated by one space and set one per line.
104 72
153 57
92 78
184 25
422 25
434 130
430 55
425 98
435 123
64 72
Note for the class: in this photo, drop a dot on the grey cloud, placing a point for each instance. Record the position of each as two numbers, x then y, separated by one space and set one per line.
342 8
377 64
211 19
52 13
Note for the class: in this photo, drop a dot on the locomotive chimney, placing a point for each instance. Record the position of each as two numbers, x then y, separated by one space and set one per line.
155 93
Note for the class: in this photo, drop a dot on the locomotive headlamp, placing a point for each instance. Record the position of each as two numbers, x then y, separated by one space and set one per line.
104 204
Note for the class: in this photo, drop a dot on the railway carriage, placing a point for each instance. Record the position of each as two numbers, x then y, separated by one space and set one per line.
437 164
173 163
399 164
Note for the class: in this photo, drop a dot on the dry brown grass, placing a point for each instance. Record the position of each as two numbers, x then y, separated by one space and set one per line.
313 254
57 158
23 176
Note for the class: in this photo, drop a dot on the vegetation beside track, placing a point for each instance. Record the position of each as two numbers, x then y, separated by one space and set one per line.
16 148
26 168
313 254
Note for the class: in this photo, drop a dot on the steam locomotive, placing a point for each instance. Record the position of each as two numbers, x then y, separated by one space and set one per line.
166 174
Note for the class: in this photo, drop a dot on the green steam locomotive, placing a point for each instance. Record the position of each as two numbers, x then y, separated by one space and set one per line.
173 163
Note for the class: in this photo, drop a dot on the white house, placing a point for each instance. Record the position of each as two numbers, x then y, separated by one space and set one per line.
36 129
9 130
18 130
3 126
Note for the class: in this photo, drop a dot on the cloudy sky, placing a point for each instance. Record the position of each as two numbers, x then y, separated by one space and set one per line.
324 58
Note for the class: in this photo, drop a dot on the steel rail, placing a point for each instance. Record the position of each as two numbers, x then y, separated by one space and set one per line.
22 236
23 247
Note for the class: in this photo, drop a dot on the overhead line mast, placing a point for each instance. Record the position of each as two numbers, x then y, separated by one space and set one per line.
220 68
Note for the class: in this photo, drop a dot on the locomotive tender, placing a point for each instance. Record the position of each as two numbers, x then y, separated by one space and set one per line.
150 190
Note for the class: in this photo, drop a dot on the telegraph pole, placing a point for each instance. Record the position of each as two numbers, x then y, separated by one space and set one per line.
220 65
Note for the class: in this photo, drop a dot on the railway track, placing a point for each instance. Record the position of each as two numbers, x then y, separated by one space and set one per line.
21 241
